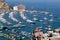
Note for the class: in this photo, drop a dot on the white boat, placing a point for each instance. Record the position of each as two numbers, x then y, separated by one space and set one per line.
22 25
34 15
46 13
23 37
41 20
49 26
43 12
29 21
19 25
35 19
49 29
31 11
45 18
20 22
51 15
1 15
51 20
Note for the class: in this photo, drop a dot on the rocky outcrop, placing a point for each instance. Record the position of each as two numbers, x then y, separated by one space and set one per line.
4 6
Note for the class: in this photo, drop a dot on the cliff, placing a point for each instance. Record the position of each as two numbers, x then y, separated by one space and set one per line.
4 5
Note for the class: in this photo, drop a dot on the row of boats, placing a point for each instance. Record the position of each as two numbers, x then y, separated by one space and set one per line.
22 14
11 16
2 19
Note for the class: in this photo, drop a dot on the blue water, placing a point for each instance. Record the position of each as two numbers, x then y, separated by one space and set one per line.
50 6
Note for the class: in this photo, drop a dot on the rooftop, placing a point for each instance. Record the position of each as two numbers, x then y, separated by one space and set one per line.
21 6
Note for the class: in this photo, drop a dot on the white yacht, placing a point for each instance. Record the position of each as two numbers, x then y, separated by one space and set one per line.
45 18
35 19
41 20
46 13
51 15
34 15
20 22
19 25
32 11
51 20
29 21
49 26
1 15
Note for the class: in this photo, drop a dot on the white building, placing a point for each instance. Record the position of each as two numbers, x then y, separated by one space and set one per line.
19 8
15 8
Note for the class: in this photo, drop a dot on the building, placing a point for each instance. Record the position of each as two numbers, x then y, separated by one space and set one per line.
15 8
20 7
2 0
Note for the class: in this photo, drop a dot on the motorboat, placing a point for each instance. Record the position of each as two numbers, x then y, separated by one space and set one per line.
45 18
35 19
51 20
